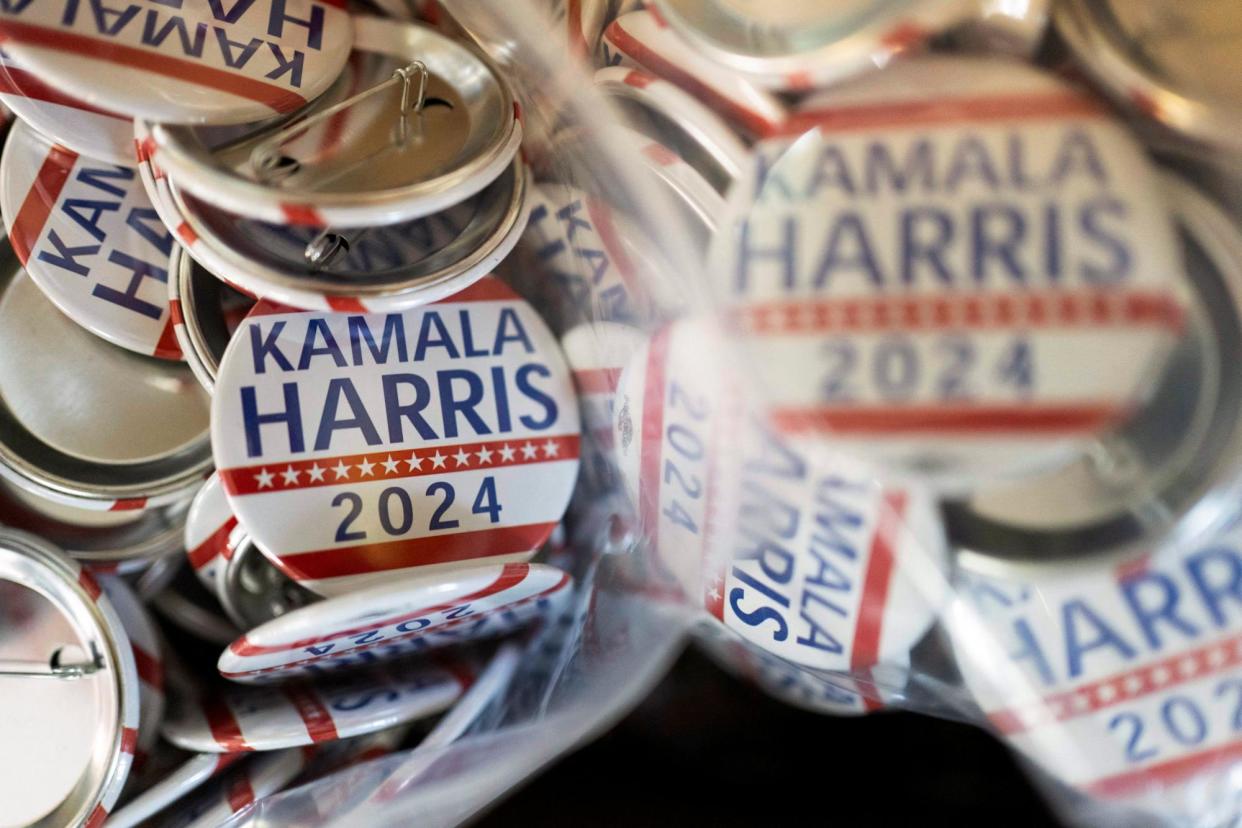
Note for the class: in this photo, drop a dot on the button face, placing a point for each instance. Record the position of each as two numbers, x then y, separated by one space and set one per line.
73 124
267 718
641 39
796 550
197 63
389 620
1119 677
144 640
89 237
353 447
797 46
965 284
207 528
371 163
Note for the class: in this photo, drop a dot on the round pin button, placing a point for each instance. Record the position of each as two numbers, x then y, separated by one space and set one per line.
267 718
798 551
69 668
90 239
1116 676
1177 64
641 39
207 528
965 283
184 64
116 431
1170 471
797 46
347 165
353 446
70 123
402 616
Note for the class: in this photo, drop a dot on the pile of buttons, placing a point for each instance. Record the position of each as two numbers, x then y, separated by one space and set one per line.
304 304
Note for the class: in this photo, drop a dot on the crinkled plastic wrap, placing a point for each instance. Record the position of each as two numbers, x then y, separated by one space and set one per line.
916 390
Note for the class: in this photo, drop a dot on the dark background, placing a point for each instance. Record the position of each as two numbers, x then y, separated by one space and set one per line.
708 749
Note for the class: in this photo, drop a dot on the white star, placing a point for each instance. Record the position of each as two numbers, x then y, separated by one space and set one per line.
316 473
714 594
390 465
264 477
551 449
291 475
415 462
484 454
1160 675
528 452
1133 684
506 453
365 467
1218 656
1188 666
437 460
342 470
462 458
1107 692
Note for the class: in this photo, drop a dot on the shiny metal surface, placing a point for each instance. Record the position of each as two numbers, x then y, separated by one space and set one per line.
211 311
85 418
253 591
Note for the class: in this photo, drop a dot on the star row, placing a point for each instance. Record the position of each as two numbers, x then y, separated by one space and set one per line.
390 466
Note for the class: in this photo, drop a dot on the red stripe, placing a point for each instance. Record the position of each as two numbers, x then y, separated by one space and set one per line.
88 582
652 438
128 504
487 289
15 81
461 670
186 233
655 62
601 217
639 80
510 576
316 717
960 419
174 312
1089 309
129 740
597 380
573 22
144 149
660 154
303 214
395 465
945 111
345 304
240 794
1166 773
168 347
225 760
191 72
224 727
403 554
39 201
865 653
96 818
215 543
150 670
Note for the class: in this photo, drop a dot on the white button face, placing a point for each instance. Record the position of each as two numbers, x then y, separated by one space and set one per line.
962 268
72 123
91 240
268 718
796 550
186 61
1121 678
394 619
354 447
207 528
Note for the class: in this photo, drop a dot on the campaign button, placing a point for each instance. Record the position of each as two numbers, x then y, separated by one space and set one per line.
207 528
1121 677
797 550
399 617
642 39
89 237
73 124
965 285
245 783
419 123
796 46
268 718
354 446
597 352
183 779
144 640
195 63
